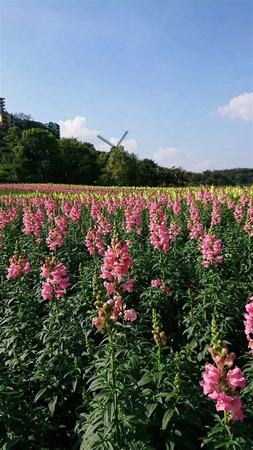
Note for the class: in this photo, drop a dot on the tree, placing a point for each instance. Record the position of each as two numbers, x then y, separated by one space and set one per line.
9 139
79 161
102 159
121 167
37 157
22 116
10 142
147 173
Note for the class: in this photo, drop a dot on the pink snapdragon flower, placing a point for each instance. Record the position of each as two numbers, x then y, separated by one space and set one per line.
117 262
220 383
223 360
54 239
232 404
110 287
235 379
58 233
57 279
130 314
177 206
211 381
128 286
33 221
133 218
61 224
211 250
248 323
18 267
47 291
216 213
196 230
94 242
50 206
248 226
239 212
160 234
115 268
98 323
158 283
7 216
75 213
194 211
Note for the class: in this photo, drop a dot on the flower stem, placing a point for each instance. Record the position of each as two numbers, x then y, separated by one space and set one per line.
114 385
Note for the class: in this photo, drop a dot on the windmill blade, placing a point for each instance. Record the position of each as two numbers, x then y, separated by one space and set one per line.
123 137
105 140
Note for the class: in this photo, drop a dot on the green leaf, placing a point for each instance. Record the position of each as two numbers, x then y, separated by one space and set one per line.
39 394
52 404
166 418
147 378
151 408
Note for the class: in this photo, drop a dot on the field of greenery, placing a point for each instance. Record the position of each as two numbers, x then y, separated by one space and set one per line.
126 318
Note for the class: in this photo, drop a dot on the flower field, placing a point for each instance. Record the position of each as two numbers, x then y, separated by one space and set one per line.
126 318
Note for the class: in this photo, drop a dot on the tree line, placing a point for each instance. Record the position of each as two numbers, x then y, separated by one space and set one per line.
36 155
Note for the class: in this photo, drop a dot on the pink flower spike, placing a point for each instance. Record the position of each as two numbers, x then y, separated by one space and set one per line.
47 291
130 314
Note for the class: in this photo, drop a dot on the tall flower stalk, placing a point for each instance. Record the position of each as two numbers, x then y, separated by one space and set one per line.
109 301
220 382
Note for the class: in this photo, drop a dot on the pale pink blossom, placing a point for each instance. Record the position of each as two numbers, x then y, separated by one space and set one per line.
18 267
231 404
211 380
47 291
110 287
235 379
158 283
128 286
220 383
57 280
211 250
248 323
130 314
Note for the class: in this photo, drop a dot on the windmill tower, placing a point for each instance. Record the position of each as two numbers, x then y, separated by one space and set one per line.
109 143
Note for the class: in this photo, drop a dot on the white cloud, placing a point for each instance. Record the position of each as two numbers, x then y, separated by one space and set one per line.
170 156
203 165
131 145
77 128
240 107
164 154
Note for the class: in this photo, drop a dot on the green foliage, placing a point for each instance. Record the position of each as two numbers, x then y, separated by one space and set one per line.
37 157
121 167
79 161
64 385
147 173
5 172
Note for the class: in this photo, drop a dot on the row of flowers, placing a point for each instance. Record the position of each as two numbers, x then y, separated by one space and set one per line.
220 382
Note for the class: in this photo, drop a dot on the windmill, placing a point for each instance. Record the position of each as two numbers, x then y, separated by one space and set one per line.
109 143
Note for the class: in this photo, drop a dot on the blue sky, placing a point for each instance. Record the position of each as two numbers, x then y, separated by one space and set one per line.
178 74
